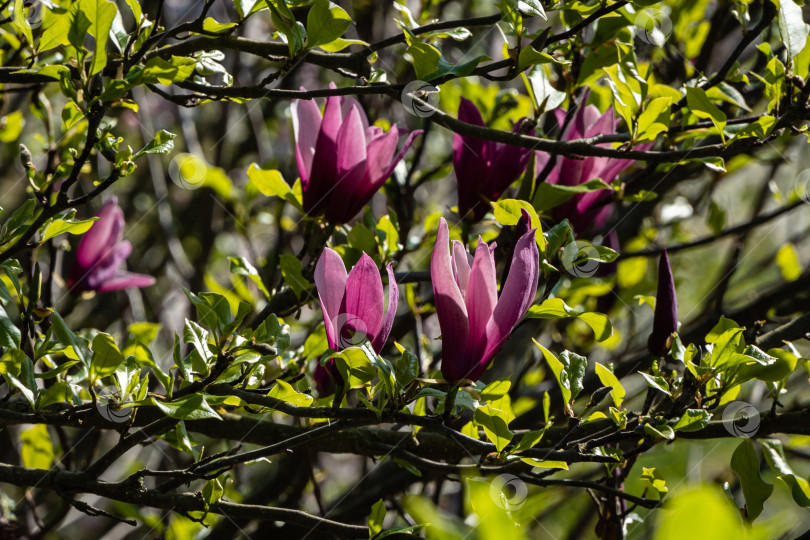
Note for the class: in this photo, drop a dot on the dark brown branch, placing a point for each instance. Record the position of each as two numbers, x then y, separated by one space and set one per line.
757 221
135 493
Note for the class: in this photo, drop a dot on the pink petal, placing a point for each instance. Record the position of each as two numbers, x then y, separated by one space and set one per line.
462 261
103 234
516 296
380 152
361 312
390 313
350 103
306 119
482 294
469 159
450 308
330 280
126 280
397 158
351 149
107 265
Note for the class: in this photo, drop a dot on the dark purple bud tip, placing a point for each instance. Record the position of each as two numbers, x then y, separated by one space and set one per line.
665 321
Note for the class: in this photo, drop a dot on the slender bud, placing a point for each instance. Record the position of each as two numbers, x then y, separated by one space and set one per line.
665 322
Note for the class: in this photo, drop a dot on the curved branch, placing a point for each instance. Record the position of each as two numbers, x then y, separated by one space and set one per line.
135 493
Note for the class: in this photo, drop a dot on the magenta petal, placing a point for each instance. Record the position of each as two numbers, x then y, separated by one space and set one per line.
330 280
390 313
332 118
358 187
516 296
381 152
350 103
450 308
482 295
351 147
107 265
401 154
470 162
461 267
126 280
103 234
361 312
469 113
306 119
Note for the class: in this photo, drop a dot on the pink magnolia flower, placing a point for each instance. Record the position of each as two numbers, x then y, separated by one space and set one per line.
342 160
474 321
586 208
484 169
352 305
101 253
665 320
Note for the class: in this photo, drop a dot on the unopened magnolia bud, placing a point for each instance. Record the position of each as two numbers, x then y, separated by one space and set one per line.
26 159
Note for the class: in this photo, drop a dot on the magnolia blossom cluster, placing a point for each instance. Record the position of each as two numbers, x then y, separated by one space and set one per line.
475 321
343 161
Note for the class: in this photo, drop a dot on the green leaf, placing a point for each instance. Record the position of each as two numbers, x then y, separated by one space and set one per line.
106 356
376 518
406 368
339 44
529 440
284 20
212 26
355 366
68 225
545 463
509 211
529 56
607 378
198 336
660 431
655 479
175 69
756 491
286 393
212 492
78 345
443 67
700 106
656 382
326 22
792 27
549 196
94 17
760 128
693 420
18 370
424 56
775 456
556 308
192 407
56 25
532 7
291 270
135 6
787 258
568 369
162 143
495 426
241 266
37 449
654 119
20 22
9 334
